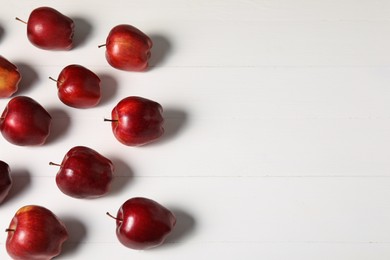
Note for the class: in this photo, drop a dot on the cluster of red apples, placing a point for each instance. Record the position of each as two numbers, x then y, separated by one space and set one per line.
35 232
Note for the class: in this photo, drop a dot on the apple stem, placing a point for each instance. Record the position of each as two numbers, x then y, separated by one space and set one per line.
20 20
55 164
9 230
110 120
101 45
53 79
111 216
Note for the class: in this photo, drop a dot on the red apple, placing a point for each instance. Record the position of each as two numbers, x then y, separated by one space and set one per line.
25 122
35 233
84 173
78 87
9 78
128 48
143 223
137 121
5 180
49 29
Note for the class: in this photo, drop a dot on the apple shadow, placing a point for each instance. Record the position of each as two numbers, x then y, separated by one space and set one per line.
174 122
21 179
123 175
2 32
77 231
29 77
185 225
160 50
60 124
109 87
82 30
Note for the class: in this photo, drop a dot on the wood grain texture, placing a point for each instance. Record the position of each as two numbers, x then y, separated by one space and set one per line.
277 127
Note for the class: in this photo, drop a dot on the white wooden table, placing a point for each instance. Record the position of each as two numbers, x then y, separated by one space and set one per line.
277 120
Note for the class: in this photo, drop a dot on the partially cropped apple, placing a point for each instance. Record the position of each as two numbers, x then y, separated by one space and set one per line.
84 173
128 48
9 78
78 87
25 122
5 180
142 223
137 121
35 233
49 29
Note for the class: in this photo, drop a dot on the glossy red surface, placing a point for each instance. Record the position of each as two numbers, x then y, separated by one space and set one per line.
5 180
49 29
143 223
25 122
84 173
137 121
78 87
35 233
128 48
9 78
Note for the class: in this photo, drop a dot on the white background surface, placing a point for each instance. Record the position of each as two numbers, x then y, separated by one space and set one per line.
277 127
